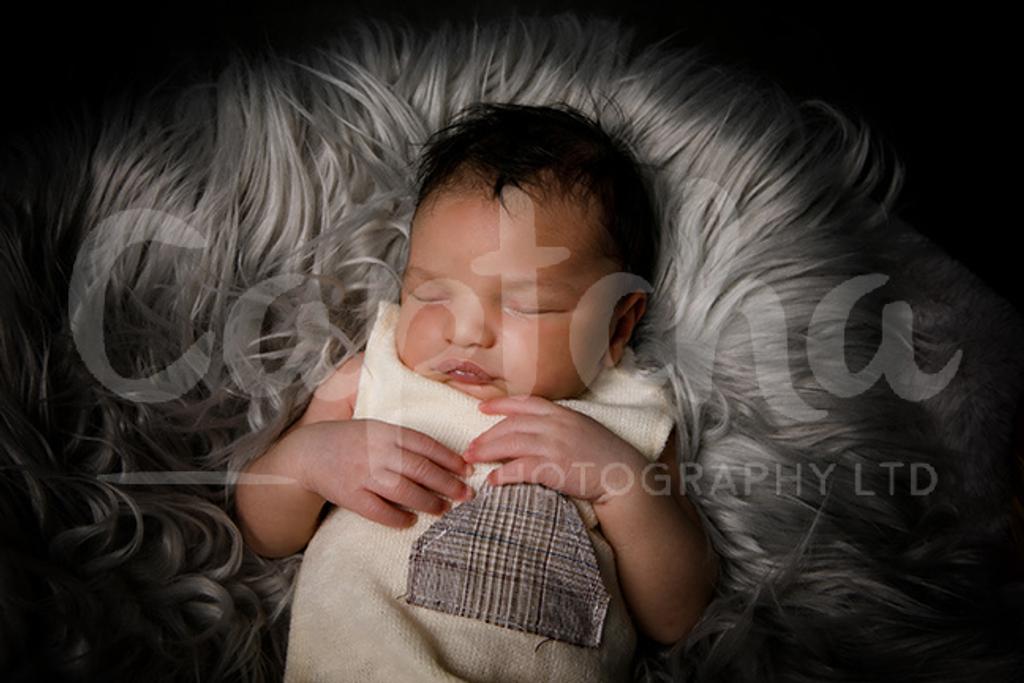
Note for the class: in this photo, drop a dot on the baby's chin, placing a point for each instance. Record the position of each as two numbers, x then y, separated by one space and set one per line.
494 389
482 392
497 389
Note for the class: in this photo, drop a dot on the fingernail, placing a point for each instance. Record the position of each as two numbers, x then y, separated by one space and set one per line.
468 469
469 494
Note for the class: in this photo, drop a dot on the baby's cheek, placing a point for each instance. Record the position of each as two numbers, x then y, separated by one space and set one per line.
519 350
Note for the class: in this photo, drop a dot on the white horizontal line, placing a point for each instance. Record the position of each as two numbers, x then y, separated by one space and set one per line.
193 477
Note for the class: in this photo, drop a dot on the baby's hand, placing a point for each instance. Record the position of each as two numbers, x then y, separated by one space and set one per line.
366 465
548 444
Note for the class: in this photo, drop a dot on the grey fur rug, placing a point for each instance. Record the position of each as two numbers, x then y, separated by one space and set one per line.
254 220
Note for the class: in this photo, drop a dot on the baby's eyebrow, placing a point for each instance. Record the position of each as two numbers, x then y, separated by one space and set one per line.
508 282
416 271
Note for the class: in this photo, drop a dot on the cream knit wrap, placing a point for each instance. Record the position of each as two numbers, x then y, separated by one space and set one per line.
349 621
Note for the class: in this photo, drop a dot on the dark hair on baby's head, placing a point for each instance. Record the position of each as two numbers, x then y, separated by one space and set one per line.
536 146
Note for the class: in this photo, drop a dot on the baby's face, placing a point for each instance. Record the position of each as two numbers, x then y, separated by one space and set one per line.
501 289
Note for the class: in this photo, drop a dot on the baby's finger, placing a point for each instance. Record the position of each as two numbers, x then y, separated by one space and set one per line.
400 489
509 445
371 506
529 470
518 405
418 442
424 471
524 423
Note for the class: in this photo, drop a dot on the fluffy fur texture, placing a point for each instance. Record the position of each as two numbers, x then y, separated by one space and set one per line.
300 168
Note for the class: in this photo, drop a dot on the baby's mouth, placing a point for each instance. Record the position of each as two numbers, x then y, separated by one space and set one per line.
464 371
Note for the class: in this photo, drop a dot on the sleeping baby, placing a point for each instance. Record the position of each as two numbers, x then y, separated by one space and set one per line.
500 396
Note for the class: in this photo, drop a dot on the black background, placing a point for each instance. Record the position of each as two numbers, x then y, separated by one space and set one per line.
934 85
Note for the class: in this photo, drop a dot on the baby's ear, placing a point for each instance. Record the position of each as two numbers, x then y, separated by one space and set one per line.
628 312
633 304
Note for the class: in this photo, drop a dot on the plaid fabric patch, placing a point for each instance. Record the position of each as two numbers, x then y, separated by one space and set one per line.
518 556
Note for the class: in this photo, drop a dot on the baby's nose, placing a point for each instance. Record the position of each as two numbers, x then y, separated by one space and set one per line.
471 329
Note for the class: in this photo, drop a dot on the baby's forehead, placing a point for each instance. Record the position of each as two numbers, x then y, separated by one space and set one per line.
574 221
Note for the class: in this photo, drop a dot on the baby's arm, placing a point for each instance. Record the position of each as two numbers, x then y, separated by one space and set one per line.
279 519
666 568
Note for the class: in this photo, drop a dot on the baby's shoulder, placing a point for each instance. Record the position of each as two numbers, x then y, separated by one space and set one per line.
335 398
